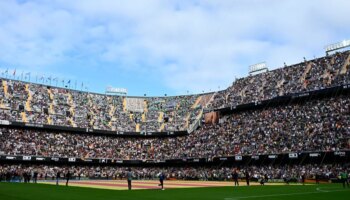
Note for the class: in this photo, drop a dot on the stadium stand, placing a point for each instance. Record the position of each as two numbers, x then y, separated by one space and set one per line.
325 72
317 125
298 114
40 104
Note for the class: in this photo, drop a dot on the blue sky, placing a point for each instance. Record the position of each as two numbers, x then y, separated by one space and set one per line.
163 46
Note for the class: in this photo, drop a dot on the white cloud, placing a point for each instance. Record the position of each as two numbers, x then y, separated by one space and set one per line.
193 45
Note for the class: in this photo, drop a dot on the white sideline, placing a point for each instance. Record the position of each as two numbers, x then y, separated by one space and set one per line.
319 190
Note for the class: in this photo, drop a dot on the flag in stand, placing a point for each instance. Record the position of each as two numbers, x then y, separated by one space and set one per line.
42 78
55 79
49 79
27 76
68 84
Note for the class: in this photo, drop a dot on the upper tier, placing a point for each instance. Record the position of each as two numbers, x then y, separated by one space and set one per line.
320 73
40 104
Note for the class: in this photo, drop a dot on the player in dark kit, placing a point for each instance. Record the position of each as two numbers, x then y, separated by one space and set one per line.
266 178
235 178
67 177
58 175
129 177
35 177
161 179
25 177
262 180
247 177
317 178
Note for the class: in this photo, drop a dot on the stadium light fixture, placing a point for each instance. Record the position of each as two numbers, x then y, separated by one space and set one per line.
337 46
258 68
116 91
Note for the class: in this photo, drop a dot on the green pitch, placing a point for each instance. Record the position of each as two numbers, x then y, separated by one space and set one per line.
21 191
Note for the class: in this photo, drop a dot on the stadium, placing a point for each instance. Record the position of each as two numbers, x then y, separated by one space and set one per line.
273 134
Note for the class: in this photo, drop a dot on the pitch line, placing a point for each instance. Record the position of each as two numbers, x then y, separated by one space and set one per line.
319 190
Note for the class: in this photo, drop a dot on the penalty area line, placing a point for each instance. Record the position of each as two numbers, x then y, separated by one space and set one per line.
285 194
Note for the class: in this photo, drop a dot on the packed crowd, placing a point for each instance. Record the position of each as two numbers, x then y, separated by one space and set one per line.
316 125
322 125
45 172
41 104
329 71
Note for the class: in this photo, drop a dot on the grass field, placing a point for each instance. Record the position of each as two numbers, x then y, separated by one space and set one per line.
21 191
142 184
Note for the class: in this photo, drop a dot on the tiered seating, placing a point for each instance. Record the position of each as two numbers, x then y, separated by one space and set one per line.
346 65
316 125
59 106
310 75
